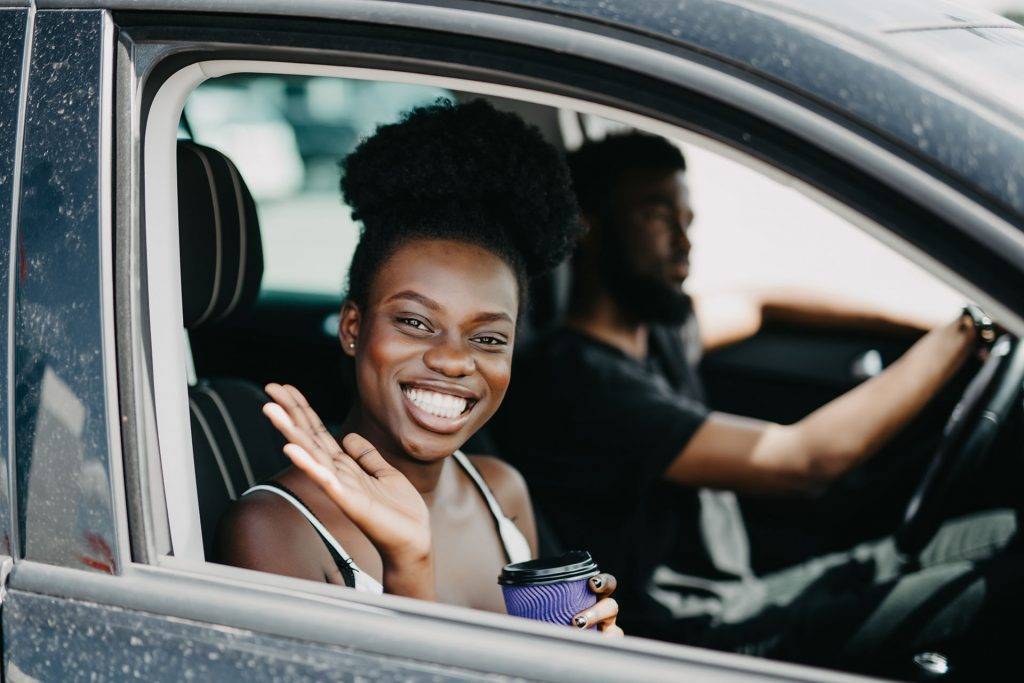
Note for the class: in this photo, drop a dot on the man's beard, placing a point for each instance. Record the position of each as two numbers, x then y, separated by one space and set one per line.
646 298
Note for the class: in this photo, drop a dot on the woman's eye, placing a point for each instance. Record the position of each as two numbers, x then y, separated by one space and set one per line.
487 340
415 322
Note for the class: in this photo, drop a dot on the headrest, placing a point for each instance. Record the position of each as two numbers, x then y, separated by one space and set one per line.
219 237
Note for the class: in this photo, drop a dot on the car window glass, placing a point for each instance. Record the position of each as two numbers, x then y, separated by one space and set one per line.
286 134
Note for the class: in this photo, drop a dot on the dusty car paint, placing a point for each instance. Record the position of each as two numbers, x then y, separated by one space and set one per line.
63 448
12 45
62 640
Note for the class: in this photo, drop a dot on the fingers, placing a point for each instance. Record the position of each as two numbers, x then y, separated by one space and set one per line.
286 399
323 476
366 455
284 424
313 421
602 615
316 471
303 416
602 585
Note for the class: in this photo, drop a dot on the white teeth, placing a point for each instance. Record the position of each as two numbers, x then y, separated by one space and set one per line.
436 403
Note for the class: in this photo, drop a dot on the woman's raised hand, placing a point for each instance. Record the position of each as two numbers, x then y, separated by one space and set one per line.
373 494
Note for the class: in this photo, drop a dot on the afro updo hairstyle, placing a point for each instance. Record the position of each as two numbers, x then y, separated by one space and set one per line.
464 172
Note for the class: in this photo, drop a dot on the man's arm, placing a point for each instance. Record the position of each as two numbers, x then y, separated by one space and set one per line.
754 456
728 317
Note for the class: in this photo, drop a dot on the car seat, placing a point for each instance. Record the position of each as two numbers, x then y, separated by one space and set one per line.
234 446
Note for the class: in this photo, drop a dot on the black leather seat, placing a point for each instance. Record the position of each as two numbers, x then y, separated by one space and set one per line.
233 444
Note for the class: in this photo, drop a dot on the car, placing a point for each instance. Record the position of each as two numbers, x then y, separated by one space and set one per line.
907 119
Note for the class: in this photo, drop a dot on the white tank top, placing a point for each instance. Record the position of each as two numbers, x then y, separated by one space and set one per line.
517 549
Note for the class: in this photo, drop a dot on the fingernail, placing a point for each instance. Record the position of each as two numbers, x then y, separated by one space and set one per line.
597 582
581 622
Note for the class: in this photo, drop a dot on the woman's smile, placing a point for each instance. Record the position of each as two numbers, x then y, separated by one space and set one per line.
442 409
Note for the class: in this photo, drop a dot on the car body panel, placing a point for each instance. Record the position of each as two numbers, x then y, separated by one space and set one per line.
859 76
90 640
12 48
63 443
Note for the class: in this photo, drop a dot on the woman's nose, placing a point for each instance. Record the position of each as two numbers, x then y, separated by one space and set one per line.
449 358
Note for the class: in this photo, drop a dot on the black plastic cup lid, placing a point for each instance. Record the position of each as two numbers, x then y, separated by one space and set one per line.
570 566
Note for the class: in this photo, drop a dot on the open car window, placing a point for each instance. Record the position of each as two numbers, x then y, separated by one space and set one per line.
285 134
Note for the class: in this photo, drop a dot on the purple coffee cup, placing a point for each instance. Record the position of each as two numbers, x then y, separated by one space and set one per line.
552 589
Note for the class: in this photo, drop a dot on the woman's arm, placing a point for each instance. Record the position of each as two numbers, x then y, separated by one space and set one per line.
755 456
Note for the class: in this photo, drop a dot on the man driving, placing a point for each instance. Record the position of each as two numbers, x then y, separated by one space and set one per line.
611 402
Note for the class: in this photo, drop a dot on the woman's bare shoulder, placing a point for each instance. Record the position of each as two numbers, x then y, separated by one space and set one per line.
263 531
505 482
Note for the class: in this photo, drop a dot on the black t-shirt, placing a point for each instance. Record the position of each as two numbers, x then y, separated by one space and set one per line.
593 431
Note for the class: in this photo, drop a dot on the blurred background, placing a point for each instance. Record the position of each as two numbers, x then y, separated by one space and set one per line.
1008 8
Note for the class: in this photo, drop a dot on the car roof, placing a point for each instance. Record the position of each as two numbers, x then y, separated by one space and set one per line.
941 84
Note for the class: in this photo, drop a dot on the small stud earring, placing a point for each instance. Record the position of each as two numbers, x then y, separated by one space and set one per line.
351 345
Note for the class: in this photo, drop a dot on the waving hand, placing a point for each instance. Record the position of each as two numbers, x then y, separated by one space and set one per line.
373 494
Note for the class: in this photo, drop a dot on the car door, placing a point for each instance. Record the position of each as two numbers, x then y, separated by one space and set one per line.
107 583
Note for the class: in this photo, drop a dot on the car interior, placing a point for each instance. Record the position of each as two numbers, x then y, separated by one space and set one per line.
265 240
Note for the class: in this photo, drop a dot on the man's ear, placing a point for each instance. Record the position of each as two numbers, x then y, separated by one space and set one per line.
348 327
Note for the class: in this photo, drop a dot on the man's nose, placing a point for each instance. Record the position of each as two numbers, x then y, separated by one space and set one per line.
449 357
682 234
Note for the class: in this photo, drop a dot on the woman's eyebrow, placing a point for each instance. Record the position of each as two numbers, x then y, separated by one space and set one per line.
417 297
492 317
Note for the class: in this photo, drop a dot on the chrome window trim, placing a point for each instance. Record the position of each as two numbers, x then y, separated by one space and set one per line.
107 313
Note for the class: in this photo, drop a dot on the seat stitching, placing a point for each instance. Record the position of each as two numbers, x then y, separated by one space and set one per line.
242 234
216 229
243 457
213 446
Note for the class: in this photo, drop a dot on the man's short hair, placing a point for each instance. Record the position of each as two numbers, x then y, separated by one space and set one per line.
599 164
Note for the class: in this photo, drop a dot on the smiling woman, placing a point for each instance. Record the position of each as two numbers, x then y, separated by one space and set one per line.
459 206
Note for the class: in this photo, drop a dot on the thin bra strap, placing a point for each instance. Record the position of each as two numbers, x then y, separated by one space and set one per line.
338 554
516 547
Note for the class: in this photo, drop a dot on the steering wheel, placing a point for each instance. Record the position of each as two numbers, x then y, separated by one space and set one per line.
969 432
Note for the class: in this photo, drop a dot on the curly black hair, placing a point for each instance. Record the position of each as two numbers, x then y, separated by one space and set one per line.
597 165
465 172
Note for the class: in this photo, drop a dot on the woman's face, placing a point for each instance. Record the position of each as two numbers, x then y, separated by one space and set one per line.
433 349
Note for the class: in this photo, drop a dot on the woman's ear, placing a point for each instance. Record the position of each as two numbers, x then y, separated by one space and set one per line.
348 327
